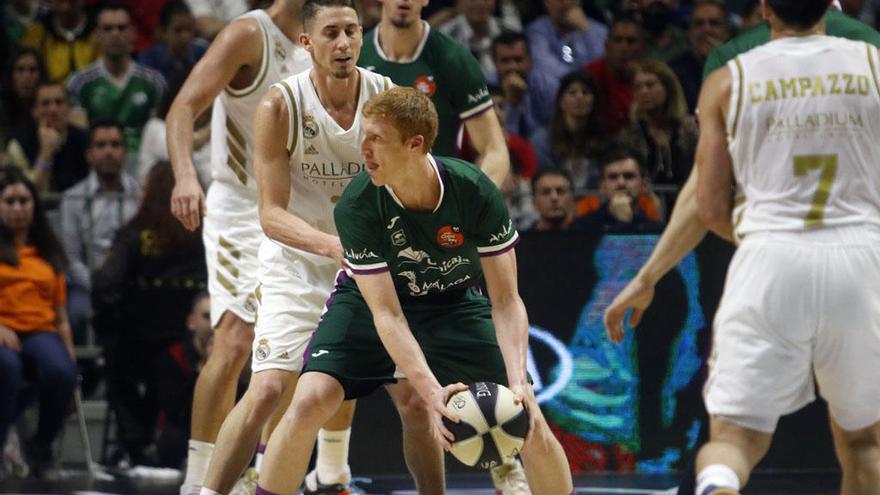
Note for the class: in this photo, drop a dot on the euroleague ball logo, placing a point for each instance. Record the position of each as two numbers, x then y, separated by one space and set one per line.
426 85
450 237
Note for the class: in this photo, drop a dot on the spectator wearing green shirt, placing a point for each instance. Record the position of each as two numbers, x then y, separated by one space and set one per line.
116 87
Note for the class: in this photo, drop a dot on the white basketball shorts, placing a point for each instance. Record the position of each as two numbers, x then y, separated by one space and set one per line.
232 236
795 304
291 297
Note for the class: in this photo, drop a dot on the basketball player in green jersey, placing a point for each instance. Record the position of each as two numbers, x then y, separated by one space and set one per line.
406 49
685 230
418 234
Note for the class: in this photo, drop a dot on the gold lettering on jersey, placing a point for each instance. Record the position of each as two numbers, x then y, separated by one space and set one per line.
815 121
809 86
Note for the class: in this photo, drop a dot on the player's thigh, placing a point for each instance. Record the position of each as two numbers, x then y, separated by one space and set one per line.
763 333
459 342
347 347
847 355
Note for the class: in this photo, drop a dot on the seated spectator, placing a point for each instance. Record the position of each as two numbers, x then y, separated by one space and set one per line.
177 369
35 337
154 145
18 92
523 165
475 28
116 87
177 49
614 74
662 134
565 39
19 15
213 15
154 262
52 152
553 199
526 90
665 39
709 29
63 37
91 213
623 183
575 138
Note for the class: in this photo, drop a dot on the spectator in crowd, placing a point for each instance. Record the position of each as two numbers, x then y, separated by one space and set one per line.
623 183
371 13
665 40
662 134
116 87
565 39
552 194
35 336
575 137
751 15
177 49
475 27
213 15
526 90
91 213
516 187
176 371
614 74
51 151
154 262
63 36
154 145
709 29
18 92
19 15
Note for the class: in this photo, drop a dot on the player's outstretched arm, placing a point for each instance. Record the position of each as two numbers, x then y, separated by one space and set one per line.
511 325
716 181
488 139
238 45
273 182
396 336
683 233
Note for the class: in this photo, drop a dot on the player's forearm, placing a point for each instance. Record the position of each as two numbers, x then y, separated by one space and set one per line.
683 233
396 336
495 163
285 227
180 122
512 332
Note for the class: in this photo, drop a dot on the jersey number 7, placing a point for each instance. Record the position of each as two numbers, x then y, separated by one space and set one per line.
828 165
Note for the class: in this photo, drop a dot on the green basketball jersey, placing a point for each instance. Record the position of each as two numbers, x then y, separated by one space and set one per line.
429 254
442 69
131 101
836 24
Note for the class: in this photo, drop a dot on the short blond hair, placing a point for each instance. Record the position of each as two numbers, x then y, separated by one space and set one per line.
408 110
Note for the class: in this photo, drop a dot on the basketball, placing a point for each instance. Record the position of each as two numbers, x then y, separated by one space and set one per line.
492 426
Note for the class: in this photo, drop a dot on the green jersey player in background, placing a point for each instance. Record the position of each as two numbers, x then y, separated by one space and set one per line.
406 49
418 234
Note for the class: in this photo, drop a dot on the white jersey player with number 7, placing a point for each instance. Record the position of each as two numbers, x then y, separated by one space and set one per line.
793 126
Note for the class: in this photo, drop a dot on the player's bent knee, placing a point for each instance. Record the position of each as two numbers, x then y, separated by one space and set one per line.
266 388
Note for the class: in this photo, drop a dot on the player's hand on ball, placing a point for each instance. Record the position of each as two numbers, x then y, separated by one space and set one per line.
525 395
637 295
438 410
188 202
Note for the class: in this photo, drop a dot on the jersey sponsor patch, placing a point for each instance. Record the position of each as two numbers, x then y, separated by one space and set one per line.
450 237
426 85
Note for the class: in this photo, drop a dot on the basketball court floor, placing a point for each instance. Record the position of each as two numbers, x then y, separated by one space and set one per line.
763 483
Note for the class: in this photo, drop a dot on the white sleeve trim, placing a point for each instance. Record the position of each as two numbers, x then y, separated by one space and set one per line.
477 109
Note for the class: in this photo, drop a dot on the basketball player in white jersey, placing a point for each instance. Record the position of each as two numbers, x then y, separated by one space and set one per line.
793 126
247 57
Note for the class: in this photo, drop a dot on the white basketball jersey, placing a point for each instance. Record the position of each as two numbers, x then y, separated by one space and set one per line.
232 120
323 156
804 134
